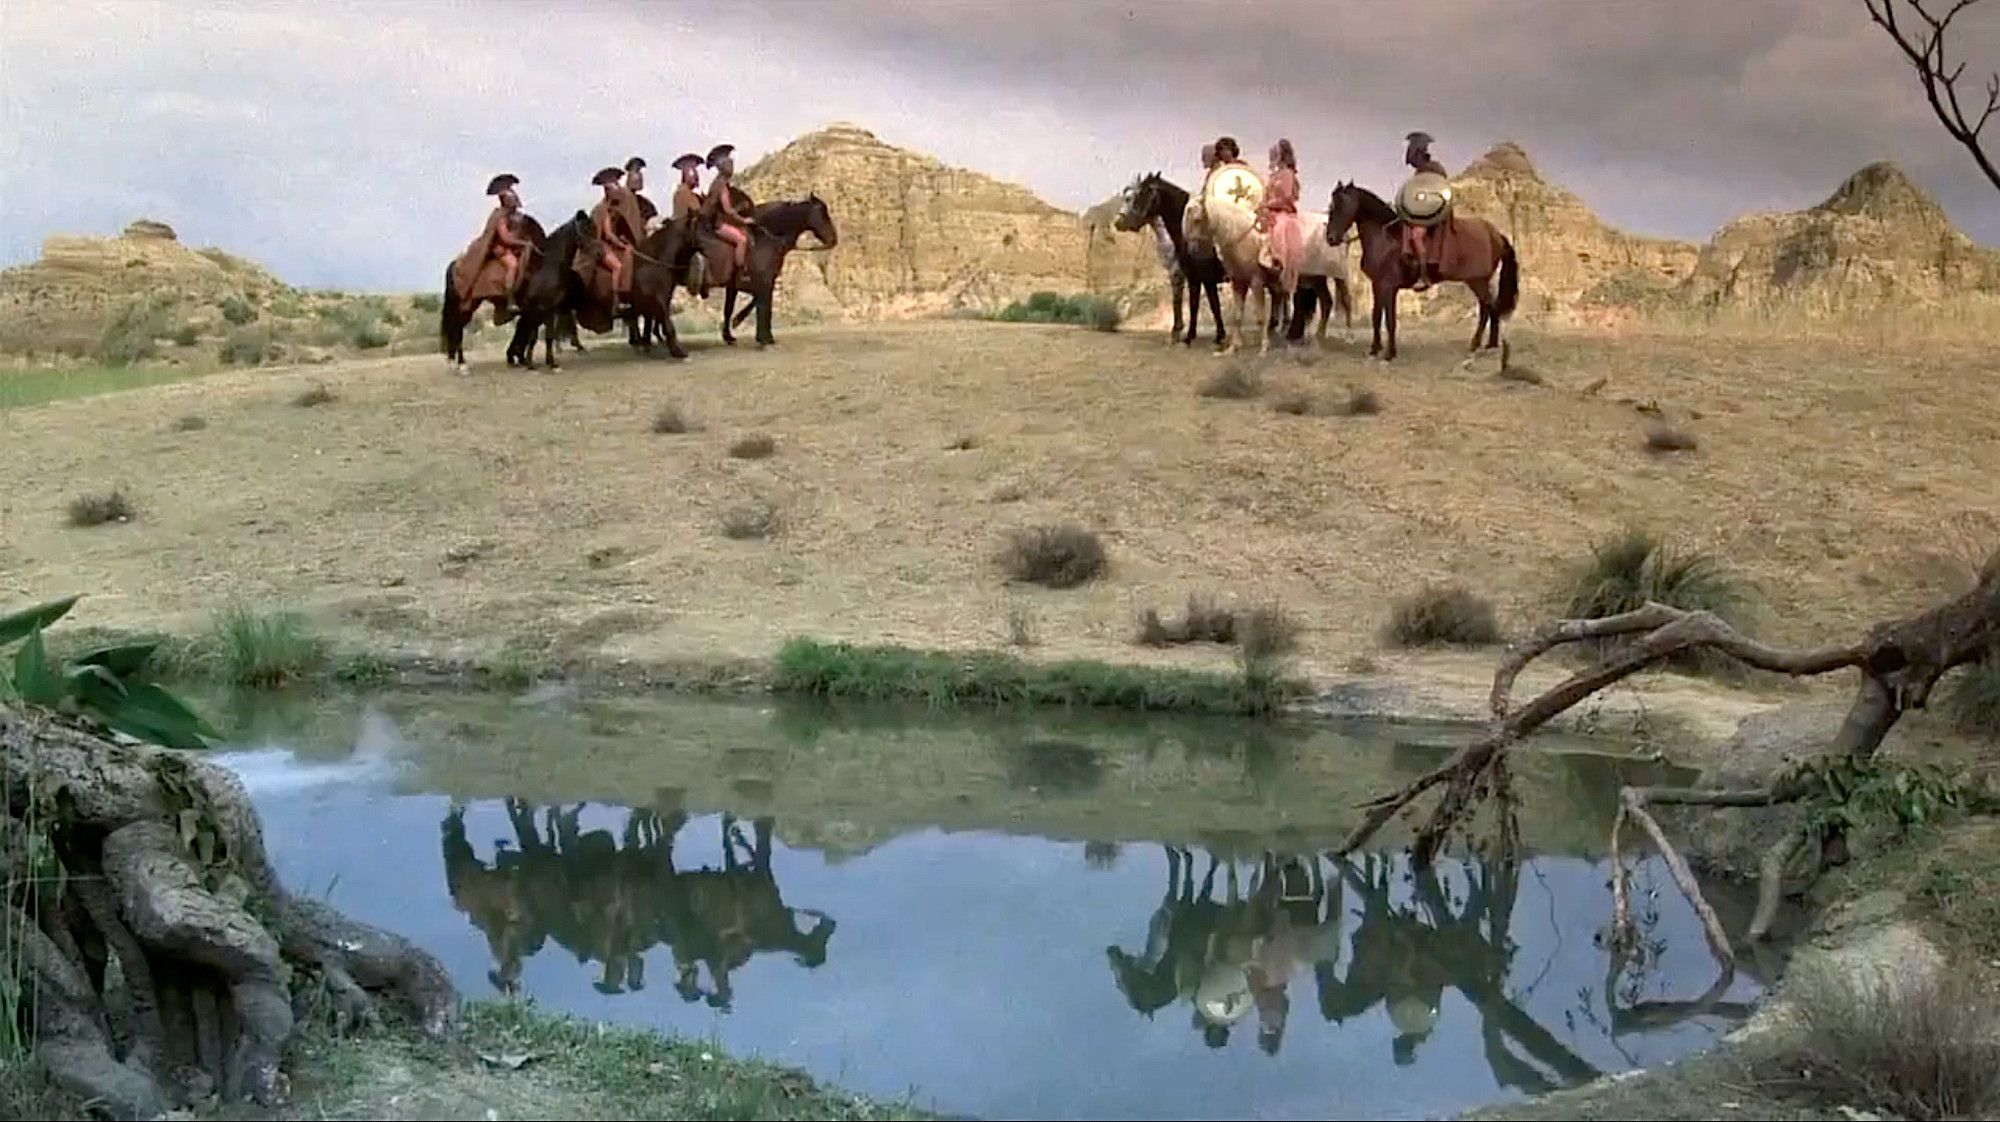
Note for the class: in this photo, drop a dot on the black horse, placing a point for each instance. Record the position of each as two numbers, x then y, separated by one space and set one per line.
779 225
551 291
1154 196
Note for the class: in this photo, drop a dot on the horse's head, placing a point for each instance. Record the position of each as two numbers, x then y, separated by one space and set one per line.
819 220
1142 203
1341 211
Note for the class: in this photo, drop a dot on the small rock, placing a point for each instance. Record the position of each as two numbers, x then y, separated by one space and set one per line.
392 582
464 552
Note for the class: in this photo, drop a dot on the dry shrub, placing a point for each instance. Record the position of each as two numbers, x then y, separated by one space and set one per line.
96 510
1632 568
756 446
1527 375
1972 697
1204 622
1020 627
1266 632
1663 437
1298 403
963 443
1054 556
1235 382
1361 402
317 395
750 521
670 420
1442 615
1922 1045
190 423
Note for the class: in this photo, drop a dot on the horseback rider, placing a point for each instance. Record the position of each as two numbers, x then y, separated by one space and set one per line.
1418 156
1195 225
687 208
617 218
729 225
635 182
1278 214
497 241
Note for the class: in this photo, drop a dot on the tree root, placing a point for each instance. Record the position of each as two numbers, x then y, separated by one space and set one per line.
1900 661
170 880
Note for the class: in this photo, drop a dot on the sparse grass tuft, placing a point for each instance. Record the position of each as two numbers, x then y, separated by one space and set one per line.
249 346
1096 312
1628 570
266 651
756 446
1972 697
670 419
1663 437
131 333
190 423
1104 314
237 310
1020 626
1921 1045
429 303
1361 402
882 673
1527 375
1298 403
1265 633
363 669
1235 382
1054 556
186 335
96 510
1204 622
1442 615
750 521
317 394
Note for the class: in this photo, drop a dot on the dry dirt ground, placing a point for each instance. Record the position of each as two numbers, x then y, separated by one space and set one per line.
452 515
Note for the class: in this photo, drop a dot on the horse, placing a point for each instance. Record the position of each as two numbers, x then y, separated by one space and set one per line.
453 316
1474 249
1232 226
779 225
552 291
659 263
1152 197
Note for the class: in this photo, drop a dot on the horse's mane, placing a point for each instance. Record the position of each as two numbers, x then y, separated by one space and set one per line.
1172 190
1372 207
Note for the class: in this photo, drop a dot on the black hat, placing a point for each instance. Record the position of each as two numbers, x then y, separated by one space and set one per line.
687 161
1419 138
608 175
500 183
718 152
634 164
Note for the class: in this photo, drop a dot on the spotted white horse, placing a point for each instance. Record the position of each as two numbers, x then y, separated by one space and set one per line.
1226 218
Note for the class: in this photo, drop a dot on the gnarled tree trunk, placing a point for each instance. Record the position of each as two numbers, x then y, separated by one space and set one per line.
1899 663
166 962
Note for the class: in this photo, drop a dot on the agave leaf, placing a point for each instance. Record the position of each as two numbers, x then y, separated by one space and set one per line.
123 659
20 624
34 679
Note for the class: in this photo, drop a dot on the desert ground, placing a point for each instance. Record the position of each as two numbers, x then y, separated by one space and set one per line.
506 509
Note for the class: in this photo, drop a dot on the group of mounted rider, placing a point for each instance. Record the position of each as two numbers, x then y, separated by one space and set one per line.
626 258
1249 231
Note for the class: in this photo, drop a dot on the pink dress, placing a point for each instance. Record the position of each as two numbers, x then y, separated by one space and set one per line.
1281 218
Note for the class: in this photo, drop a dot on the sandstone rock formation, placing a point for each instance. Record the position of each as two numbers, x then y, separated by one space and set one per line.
918 237
1879 238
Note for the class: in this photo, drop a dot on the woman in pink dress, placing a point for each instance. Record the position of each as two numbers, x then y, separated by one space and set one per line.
1280 215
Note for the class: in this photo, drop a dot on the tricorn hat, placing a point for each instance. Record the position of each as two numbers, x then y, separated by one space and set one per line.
687 161
608 175
500 183
634 164
1419 138
718 152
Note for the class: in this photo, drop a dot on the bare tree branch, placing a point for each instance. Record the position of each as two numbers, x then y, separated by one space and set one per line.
1925 48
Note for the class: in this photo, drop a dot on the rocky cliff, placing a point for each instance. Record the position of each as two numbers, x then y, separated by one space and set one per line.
919 237
1879 238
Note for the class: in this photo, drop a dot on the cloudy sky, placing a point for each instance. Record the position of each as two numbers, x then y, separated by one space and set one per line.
347 143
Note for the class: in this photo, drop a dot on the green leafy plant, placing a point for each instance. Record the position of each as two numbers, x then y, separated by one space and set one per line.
106 685
1848 794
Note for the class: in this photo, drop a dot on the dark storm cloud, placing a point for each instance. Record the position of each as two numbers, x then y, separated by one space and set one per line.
346 144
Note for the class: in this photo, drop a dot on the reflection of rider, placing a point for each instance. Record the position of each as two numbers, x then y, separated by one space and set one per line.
1418 156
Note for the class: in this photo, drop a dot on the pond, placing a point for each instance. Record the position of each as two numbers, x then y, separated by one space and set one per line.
1004 916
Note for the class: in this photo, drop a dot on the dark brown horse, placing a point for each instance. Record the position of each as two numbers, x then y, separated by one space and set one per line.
1473 249
779 225
546 292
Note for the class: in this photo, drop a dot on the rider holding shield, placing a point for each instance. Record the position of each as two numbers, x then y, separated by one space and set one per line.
1434 199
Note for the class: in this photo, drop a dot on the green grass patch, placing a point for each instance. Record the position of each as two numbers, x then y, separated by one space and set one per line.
850 672
1096 312
265 650
24 388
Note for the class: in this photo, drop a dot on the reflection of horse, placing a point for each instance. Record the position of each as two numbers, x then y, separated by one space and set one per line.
610 903
1230 957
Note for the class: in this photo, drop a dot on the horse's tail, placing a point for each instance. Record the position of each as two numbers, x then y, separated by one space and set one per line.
448 324
1510 280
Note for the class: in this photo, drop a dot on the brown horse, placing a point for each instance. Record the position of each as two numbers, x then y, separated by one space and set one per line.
1473 249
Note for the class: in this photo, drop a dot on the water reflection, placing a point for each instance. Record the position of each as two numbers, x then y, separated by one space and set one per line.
610 903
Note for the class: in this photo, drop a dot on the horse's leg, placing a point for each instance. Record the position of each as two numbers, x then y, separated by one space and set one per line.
729 312
761 298
1375 348
1239 295
1193 309
1389 315
1215 310
1325 307
1482 293
1179 286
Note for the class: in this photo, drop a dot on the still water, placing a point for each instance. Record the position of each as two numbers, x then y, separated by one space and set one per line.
1019 917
